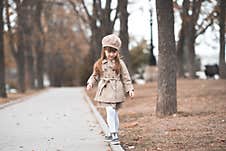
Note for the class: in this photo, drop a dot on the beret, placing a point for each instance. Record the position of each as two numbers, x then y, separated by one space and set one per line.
111 41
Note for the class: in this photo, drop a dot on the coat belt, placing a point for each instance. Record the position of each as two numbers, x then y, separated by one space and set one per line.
107 80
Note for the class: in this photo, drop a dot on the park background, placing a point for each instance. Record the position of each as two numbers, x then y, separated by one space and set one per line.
53 43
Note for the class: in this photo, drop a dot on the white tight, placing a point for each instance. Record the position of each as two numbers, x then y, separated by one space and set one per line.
112 119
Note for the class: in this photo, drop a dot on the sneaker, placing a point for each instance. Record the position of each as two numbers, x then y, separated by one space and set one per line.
115 141
108 138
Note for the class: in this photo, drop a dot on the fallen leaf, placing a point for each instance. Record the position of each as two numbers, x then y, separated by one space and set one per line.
130 125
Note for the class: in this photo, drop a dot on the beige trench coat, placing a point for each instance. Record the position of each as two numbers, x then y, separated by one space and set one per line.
111 87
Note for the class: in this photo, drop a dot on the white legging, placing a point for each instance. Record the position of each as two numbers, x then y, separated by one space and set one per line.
112 119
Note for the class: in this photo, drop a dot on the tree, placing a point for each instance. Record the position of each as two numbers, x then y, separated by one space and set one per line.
181 42
28 37
191 32
167 101
39 43
57 65
27 33
17 48
124 35
100 22
66 49
2 64
222 64
191 28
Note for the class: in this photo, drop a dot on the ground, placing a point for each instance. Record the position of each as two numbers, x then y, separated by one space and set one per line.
199 124
15 96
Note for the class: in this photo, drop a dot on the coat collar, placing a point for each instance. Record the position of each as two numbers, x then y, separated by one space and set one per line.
106 61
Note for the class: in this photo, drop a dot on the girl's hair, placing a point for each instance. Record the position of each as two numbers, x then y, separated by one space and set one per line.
97 68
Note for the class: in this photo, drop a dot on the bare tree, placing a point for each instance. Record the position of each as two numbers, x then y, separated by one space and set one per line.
28 44
2 64
20 53
181 42
99 21
222 64
190 30
167 101
66 43
124 35
21 45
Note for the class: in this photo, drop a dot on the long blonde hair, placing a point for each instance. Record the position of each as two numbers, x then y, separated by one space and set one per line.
97 68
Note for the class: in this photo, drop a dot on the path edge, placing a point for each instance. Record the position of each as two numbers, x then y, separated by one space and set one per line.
22 99
101 121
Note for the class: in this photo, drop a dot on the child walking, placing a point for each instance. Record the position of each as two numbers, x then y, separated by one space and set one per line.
114 82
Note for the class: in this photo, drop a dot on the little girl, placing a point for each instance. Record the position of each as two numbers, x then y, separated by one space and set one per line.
114 82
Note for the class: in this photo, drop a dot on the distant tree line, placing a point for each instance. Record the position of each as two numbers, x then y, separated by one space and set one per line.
60 39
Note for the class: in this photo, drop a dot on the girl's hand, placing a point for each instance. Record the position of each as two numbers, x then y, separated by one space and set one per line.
89 86
131 93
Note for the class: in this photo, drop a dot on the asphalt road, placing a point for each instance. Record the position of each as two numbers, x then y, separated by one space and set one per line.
58 119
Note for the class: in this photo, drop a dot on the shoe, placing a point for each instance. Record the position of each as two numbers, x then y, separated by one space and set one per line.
115 141
108 138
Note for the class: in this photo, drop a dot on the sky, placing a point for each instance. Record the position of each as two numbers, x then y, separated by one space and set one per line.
139 27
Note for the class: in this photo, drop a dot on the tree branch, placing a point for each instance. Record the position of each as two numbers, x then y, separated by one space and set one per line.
77 11
202 30
86 10
116 15
209 19
99 10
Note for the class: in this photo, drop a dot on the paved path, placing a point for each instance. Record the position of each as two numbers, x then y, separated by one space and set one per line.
56 120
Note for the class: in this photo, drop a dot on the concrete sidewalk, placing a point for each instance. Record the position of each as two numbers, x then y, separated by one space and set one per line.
102 123
55 120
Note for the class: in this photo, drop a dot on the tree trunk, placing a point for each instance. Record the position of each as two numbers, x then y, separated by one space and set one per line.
180 54
186 44
191 35
182 37
39 46
20 60
56 66
124 35
96 37
28 32
30 65
167 101
107 25
23 46
40 63
222 64
190 41
2 63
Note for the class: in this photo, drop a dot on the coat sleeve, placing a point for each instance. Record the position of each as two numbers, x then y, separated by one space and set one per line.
93 79
126 80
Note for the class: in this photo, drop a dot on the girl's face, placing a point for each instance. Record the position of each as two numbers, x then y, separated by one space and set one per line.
111 54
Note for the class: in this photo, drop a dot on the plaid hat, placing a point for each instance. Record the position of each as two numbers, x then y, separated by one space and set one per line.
111 41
